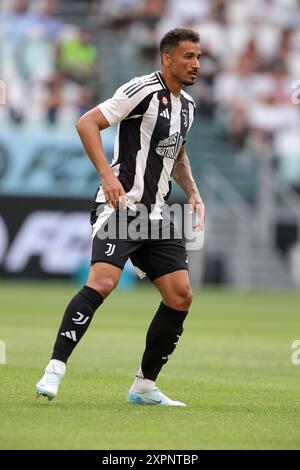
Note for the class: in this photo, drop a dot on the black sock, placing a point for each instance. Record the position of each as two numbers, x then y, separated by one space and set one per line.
162 337
75 322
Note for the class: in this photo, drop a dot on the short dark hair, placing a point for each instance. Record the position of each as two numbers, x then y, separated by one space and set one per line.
173 38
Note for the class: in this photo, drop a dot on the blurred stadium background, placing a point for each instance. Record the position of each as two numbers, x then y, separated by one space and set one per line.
60 58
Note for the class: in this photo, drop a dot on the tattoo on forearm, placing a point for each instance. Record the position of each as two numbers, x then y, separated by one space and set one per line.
182 174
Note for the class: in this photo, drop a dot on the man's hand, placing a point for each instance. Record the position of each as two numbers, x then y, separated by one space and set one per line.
196 205
113 190
182 174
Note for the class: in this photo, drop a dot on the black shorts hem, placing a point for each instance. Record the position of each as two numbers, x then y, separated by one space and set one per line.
107 262
153 275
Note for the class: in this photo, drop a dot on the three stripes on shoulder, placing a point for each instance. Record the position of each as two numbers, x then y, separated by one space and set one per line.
140 84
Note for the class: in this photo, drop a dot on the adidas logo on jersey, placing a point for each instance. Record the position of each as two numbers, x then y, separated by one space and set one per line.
165 114
70 334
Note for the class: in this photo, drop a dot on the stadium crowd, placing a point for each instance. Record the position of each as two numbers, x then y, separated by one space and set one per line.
49 67
250 59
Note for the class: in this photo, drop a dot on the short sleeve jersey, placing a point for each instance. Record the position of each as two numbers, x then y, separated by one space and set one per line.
152 126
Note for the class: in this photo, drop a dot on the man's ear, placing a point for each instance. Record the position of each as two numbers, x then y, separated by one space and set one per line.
166 59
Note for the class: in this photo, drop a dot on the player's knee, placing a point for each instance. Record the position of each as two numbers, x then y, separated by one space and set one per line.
188 298
185 298
108 286
104 286
181 300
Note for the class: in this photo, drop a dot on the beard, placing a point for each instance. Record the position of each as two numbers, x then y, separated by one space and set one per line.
189 83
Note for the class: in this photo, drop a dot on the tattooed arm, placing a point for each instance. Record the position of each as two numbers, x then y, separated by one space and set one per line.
182 174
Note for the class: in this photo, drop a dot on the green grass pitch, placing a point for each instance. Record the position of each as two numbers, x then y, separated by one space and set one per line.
232 367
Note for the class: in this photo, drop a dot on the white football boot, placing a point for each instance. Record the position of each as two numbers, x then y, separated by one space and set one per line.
152 397
49 383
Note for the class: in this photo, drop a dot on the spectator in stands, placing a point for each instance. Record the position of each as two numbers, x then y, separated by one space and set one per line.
48 20
203 89
250 58
86 100
146 29
118 15
16 21
77 57
53 100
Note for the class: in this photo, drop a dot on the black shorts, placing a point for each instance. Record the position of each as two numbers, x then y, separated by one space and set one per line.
152 256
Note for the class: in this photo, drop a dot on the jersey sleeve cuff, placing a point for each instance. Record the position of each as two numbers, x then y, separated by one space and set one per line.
106 113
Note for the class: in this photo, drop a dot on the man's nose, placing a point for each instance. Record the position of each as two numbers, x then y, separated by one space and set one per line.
196 64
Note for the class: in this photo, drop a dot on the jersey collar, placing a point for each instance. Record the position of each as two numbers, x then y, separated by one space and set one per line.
160 78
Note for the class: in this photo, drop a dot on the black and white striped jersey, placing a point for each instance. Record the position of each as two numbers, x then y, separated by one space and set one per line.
153 125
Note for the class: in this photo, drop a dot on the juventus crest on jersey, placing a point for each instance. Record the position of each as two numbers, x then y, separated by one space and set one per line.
153 125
